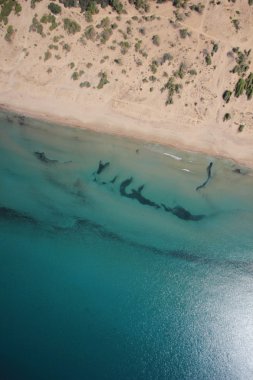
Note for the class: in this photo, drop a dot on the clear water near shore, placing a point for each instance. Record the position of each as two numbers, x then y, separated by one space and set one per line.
95 285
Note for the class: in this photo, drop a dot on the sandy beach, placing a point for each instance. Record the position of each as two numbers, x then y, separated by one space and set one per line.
128 105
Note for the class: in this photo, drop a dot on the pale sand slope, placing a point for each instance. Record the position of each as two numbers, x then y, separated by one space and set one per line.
127 105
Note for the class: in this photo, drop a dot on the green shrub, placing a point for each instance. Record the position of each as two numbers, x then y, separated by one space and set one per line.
54 8
240 87
142 31
88 17
208 59
47 55
33 3
66 47
18 8
104 23
197 8
117 6
75 75
52 46
90 33
192 72
137 45
103 80
215 48
36 26
156 40
91 8
152 78
71 26
140 4
241 127
7 6
184 33
125 45
153 66
226 96
57 38
236 24
105 35
84 84
9 33
242 60
249 86
226 117
181 71
49 19
166 57
171 88
180 3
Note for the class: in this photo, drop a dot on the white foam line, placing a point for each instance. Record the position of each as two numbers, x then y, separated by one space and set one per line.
186 170
173 156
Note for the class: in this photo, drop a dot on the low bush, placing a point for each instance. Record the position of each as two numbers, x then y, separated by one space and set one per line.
9 33
103 80
84 84
54 8
227 95
71 26
156 40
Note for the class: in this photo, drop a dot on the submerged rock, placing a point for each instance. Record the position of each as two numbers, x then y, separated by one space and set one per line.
182 213
43 158
208 169
102 166
21 120
114 179
136 194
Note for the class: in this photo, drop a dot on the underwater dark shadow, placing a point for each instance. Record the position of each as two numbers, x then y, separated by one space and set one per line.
83 226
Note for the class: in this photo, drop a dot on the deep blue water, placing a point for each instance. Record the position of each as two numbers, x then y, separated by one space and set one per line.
97 285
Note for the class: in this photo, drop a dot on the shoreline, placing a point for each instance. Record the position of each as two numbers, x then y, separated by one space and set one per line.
130 127
55 76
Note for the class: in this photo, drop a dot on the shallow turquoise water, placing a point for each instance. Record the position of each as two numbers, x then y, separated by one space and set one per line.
95 285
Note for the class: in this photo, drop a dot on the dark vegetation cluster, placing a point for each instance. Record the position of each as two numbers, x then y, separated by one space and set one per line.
90 7
54 8
244 85
7 7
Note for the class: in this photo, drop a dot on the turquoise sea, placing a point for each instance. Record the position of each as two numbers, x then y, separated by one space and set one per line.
104 278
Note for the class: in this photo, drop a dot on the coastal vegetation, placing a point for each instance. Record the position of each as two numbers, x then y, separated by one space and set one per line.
184 33
103 80
71 26
9 33
85 84
54 8
34 2
47 55
226 117
49 19
244 85
227 95
36 26
172 89
7 7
